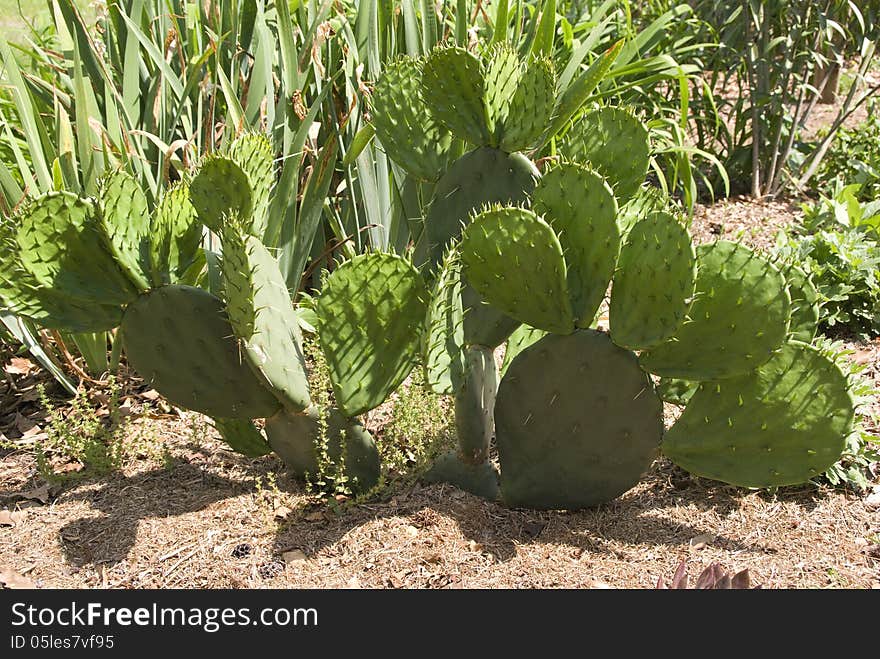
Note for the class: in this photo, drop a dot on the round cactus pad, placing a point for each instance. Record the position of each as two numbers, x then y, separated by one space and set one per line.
653 284
580 207
738 318
453 88
254 154
519 99
298 438
783 424
176 236
125 222
180 341
514 260
61 245
615 143
404 123
484 325
577 422
221 189
479 178
370 319
262 317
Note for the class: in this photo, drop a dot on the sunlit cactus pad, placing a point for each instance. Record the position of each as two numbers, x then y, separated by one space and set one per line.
62 246
370 318
513 258
654 282
616 143
739 317
221 189
178 338
577 423
404 123
783 424
581 208
261 313
479 178
453 87
176 237
125 221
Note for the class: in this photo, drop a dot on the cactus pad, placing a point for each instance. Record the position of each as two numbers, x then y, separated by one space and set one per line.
404 124
475 404
484 325
221 189
580 207
125 223
514 260
178 338
479 178
242 436
370 318
63 248
577 423
783 424
615 143
443 339
676 391
653 284
254 154
646 201
480 479
298 438
176 237
739 317
262 317
453 87
522 338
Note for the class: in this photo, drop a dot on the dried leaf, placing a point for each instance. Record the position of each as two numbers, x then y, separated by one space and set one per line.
152 394
700 541
19 366
11 517
282 512
13 580
741 580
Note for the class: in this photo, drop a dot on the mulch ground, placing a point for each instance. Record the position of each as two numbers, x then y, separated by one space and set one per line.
186 512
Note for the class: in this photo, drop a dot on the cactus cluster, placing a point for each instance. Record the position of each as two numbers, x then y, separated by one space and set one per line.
527 257
88 265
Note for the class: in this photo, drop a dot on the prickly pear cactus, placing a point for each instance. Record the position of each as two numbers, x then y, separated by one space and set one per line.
526 277
444 336
304 440
61 244
404 123
577 423
221 189
654 282
175 250
615 143
253 153
125 224
739 317
581 208
782 424
453 86
261 313
178 338
805 305
370 317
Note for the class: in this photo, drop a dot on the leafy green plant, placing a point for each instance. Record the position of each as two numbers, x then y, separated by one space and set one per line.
854 157
76 434
842 210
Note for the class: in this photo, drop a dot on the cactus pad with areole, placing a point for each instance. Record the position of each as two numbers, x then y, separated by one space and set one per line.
253 153
178 338
125 222
453 87
653 284
443 341
176 237
370 317
221 189
404 124
577 423
63 247
615 143
738 318
514 260
782 424
580 207
262 317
